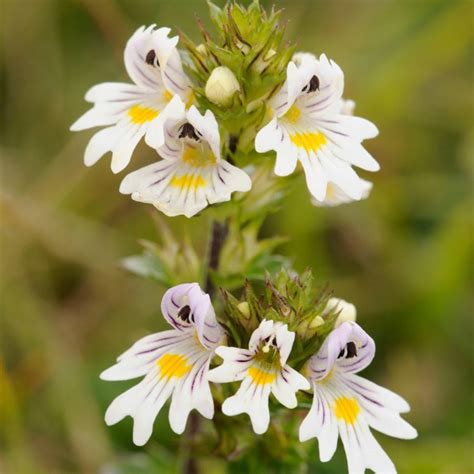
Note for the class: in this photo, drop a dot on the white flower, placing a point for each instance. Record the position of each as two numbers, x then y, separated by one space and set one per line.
131 111
308 126
221 86
174 364
192 173
262 369
347 405
347 311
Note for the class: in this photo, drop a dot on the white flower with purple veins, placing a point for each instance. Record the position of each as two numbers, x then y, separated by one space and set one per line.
132 111
174 363
347 405
308 126
263 370
335 196
192 173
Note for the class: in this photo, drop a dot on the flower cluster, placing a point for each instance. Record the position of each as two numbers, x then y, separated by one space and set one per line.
216 115
303 118
176 364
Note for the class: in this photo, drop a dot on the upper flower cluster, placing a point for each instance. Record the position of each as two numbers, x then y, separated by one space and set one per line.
254 97
176 364
159 106
311 124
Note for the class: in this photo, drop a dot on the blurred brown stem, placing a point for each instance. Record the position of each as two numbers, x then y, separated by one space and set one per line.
218 235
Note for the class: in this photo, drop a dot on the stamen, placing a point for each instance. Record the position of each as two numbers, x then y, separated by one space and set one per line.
269 343
188 131
349 351
184 313
312 86
151 58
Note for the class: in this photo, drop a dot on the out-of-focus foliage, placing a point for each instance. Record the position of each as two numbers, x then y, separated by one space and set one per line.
403 256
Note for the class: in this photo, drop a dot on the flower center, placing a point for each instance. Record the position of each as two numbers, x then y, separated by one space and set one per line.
349 351
269 343
188 131
185 314
312 86
151 58
198 156
259 376
293 114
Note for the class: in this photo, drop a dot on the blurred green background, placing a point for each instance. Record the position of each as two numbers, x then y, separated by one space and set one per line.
404 256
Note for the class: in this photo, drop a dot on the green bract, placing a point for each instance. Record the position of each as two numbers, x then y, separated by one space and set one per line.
250 43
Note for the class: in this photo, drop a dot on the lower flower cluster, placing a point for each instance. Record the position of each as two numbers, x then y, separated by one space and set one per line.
176 364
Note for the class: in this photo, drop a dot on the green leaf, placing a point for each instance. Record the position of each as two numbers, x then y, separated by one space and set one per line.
147 265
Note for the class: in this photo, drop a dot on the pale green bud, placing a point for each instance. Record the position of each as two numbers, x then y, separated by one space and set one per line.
244 308
201 48
221 86
347 311
316 322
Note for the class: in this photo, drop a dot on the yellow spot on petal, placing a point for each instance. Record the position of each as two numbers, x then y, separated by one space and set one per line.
310 141
167 95
260 377
188 181
173 365
347 409
293 114
139 114
190 100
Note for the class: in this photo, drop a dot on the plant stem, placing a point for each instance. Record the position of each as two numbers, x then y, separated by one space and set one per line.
218 235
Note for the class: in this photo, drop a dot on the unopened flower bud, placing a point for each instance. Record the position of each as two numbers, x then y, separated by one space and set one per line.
244 308
316 322
221 86
200 48
347 311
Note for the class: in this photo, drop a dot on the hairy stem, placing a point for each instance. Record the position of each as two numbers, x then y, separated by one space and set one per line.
217 238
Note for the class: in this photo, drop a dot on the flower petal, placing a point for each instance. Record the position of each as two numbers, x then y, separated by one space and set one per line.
101 143
235 365
147 76
274 137
119 92
332 351
320 422
251 398
287 383
192 392
335 196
